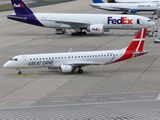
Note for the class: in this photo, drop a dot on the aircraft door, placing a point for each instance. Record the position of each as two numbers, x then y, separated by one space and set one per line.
25 60
139 21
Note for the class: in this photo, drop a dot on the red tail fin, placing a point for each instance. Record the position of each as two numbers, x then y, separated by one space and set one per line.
137 44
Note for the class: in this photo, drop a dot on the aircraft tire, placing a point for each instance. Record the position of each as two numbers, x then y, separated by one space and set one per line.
19 73
80 71
84 33
73 34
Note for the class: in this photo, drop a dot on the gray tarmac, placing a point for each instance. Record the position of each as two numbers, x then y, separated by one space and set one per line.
128 90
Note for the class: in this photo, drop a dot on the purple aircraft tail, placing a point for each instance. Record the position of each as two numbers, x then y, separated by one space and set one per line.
20 7
23 13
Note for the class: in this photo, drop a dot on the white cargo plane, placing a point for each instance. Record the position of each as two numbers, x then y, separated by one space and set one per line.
134 1
93 23
126 7
68 62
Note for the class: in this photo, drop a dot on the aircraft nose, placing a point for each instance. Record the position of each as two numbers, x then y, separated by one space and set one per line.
152 24
6 65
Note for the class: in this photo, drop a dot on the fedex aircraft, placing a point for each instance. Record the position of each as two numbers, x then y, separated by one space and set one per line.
93 23
126 7
134 1
69 62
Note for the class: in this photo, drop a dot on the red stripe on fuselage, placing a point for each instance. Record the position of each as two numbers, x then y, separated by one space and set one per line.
127 55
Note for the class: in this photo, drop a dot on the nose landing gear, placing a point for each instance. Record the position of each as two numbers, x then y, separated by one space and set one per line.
19 72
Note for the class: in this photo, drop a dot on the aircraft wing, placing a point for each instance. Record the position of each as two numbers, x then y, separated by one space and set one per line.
121 8
70 22
83 63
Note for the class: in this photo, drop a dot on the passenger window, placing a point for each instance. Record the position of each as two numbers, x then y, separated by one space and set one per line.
15 59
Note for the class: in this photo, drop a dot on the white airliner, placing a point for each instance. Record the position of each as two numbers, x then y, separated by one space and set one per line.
134 1
126 7
68 62
93 23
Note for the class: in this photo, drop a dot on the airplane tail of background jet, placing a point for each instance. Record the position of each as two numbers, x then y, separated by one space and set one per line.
20 7
97 1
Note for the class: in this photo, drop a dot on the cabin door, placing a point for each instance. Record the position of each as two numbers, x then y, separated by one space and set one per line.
25 60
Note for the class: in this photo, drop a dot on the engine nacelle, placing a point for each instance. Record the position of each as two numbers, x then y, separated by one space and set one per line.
133 11
96 29
65 68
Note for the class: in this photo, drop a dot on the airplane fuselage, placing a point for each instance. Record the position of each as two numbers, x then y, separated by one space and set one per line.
68 62
127 6
138 1
54 60
84 21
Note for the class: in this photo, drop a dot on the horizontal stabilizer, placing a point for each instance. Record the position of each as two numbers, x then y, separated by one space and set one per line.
139 53
15 17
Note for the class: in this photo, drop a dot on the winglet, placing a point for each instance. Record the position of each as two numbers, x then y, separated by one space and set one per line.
97 1
20 7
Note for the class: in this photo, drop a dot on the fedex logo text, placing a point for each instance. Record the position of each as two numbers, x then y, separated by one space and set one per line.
19 5
122 20
95 29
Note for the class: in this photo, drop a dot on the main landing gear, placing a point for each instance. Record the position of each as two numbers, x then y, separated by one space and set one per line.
19 72
78 33
80 71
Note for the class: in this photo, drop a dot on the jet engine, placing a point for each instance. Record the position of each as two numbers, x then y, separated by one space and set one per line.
133 11
65 68
96 29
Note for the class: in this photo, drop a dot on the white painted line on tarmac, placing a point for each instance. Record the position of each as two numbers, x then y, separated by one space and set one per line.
118 98
28 102
145 96
60 101
88 99
158 98
11 101
78 104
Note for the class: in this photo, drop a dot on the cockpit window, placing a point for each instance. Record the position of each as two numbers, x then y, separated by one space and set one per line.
13 59
149 20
